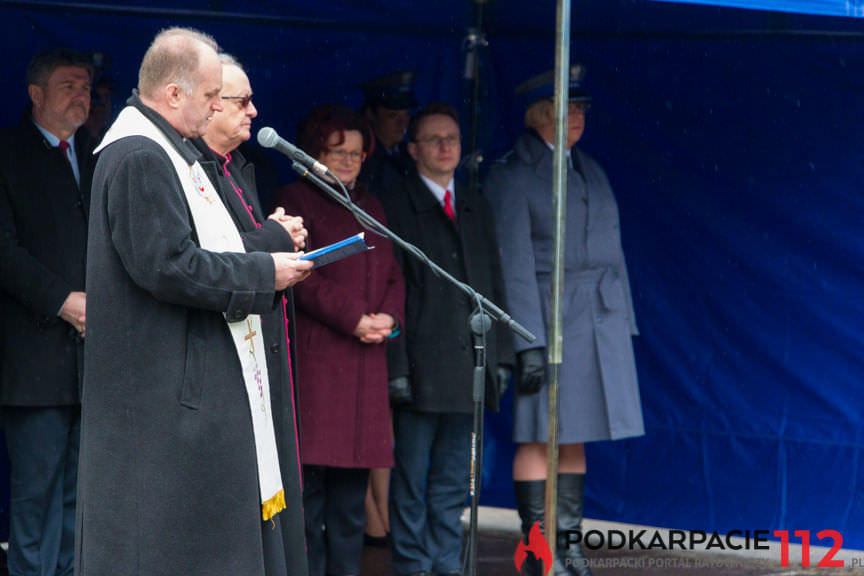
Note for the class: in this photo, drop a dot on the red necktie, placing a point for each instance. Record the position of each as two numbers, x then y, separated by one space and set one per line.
64 147
448 205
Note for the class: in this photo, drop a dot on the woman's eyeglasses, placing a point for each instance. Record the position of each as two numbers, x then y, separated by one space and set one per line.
345 155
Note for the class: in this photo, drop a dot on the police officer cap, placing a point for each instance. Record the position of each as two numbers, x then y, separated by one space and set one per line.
542 86
391 91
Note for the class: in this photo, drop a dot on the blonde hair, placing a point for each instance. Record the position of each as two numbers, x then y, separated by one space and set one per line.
173 58
540 114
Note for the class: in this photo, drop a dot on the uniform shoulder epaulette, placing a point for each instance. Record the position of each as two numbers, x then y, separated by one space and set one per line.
506 157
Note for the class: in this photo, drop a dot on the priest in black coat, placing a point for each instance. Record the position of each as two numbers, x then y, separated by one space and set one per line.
179 470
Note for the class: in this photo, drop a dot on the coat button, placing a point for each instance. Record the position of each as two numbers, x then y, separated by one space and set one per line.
274 348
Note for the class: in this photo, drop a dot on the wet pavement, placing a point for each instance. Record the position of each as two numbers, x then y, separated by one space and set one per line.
499 535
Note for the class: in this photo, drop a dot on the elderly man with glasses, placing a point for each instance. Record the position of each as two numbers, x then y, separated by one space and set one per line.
234 178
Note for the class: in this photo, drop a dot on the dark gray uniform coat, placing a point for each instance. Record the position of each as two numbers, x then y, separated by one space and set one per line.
437 350
167 474
599 393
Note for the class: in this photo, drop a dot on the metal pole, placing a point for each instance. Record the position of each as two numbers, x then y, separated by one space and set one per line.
475 41
559 203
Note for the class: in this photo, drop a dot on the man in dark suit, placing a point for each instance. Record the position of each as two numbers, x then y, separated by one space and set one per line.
432 368
235 180
46 166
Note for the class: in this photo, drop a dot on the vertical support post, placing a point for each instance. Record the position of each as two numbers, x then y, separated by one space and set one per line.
559 204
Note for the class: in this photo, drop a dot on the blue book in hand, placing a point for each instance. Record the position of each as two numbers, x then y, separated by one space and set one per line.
337 250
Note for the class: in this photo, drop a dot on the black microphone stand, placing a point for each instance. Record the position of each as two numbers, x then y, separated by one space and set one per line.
480 322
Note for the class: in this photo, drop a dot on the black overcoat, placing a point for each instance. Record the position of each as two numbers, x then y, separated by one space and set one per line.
167 471
270 236
43 244
437 351
383 172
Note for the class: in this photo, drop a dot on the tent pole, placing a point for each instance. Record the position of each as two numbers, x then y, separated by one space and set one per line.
475 40
559 203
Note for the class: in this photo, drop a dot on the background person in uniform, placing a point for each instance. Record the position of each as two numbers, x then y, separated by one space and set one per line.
388 102
346 313
432 368
179 468
235 178
100 108
599 394
102 94
45 172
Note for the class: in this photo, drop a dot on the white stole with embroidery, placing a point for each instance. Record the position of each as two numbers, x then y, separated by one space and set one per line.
217 233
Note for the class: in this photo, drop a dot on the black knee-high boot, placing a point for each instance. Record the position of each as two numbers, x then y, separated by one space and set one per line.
531 503
571 489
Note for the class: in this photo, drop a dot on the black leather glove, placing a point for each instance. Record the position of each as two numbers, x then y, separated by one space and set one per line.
400 391
503 374
532 370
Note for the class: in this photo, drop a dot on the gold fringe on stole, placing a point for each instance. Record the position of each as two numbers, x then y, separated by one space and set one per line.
273 506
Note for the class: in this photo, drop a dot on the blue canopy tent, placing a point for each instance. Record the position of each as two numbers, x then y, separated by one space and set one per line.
732 138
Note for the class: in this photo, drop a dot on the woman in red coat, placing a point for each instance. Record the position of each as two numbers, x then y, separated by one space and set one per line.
346 312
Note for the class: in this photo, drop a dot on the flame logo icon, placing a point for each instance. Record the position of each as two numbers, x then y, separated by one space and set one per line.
538 546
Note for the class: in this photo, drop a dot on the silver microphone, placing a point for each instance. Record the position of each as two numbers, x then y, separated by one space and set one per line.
268 138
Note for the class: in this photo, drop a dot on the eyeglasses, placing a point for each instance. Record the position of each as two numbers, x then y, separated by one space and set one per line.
576 107
436 141
345 155
242 100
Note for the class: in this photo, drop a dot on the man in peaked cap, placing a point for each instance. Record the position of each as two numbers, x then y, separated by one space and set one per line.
599 393
389 100
542 86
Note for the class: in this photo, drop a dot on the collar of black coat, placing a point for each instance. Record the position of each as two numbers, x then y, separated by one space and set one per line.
184 146
423 199
210 155
83 143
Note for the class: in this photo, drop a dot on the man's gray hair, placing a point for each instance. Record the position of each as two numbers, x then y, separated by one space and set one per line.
43 64
173 58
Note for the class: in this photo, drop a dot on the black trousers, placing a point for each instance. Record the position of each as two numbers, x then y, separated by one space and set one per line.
334 506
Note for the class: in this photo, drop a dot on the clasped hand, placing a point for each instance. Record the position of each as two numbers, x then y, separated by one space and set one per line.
293 225
374 328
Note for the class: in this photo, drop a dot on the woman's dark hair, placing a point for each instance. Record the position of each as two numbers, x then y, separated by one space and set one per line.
323 121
